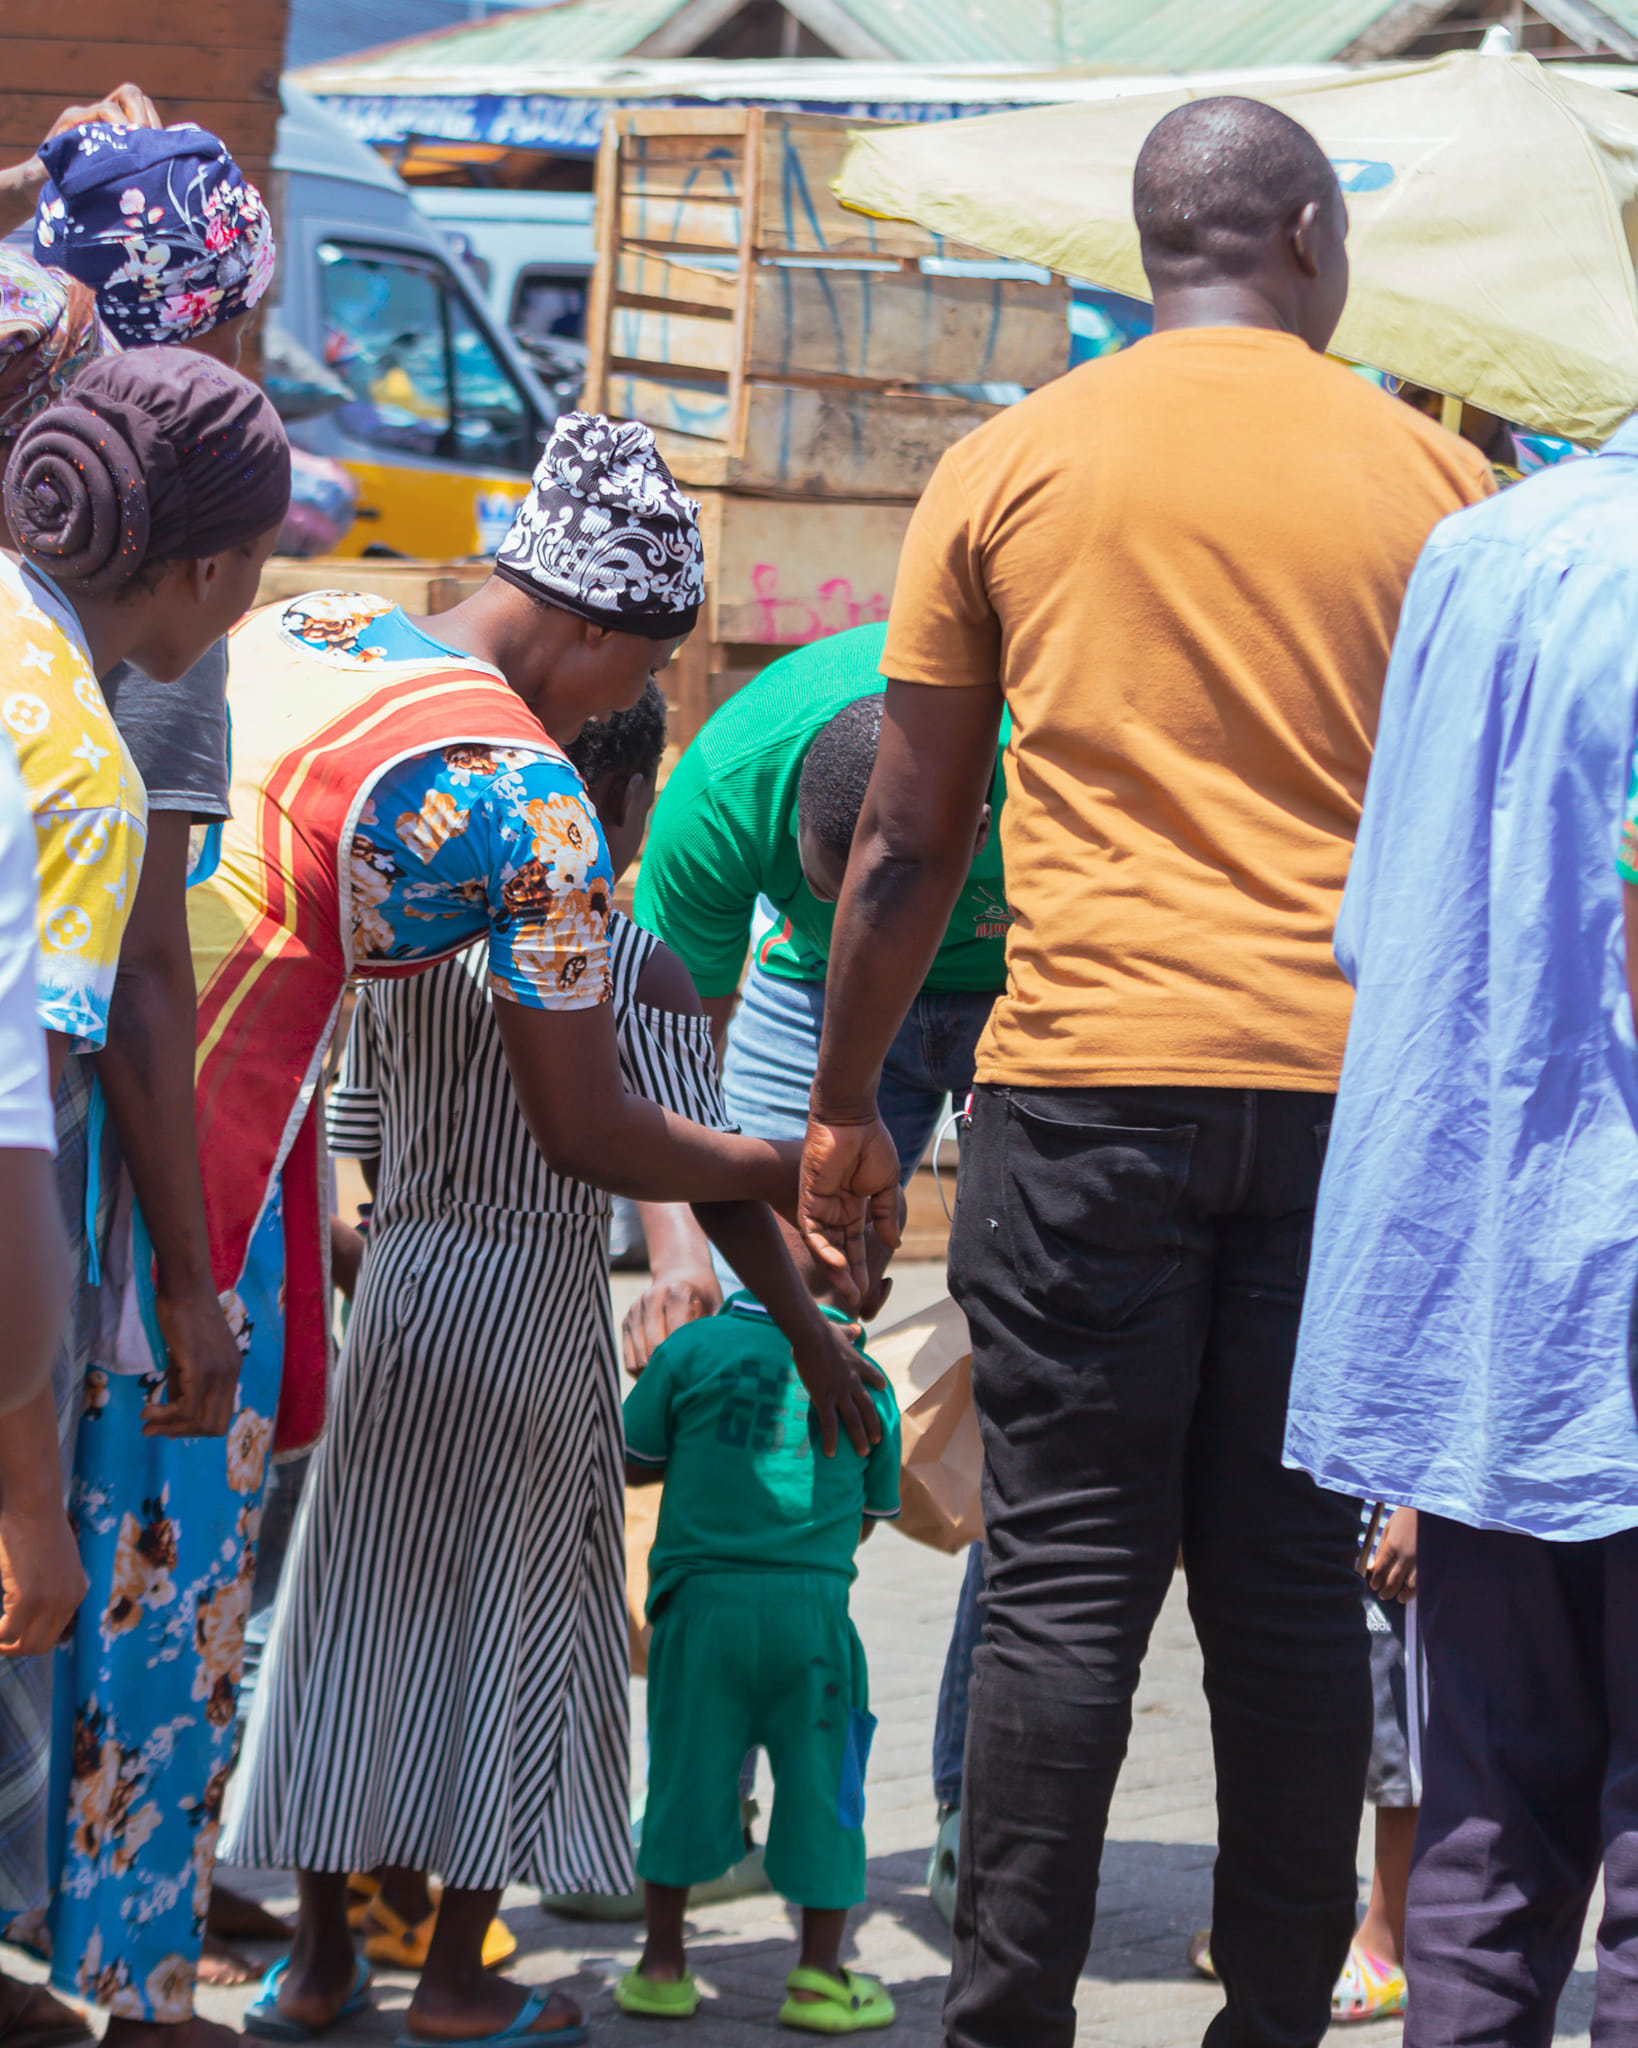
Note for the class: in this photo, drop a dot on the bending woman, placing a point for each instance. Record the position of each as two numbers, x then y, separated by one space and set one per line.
399 792
445 1686
151 495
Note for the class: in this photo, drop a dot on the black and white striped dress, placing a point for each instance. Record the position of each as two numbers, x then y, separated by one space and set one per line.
445 1682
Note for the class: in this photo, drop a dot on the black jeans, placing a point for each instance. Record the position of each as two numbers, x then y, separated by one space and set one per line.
1132 1262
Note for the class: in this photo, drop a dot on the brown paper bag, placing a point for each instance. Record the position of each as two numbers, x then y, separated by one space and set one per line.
928 1359
642 1519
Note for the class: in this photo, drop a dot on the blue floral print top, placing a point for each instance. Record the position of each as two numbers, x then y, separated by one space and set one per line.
472 840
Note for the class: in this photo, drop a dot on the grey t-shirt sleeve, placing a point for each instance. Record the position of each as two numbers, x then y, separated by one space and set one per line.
177 733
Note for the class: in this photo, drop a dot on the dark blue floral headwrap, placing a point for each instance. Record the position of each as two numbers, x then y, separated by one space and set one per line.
160 222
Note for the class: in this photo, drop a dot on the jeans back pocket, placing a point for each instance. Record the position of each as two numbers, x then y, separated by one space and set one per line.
1091 1210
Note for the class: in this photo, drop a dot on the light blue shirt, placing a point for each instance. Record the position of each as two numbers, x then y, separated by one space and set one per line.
1464 1337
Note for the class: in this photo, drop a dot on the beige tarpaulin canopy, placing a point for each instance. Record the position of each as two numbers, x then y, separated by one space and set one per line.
1493 209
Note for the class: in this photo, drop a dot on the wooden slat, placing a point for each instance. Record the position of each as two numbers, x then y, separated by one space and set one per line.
682 121
674 148
641 275
900 326
681 341
701 464
754 122
213 24
606 242
800 441
783 572
429 586
711 170
698 410
798 213
680 223
684 680
76 70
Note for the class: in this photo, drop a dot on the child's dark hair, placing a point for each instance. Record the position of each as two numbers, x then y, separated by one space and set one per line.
836 774
629 743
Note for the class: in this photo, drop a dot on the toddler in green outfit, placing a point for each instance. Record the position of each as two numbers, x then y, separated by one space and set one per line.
753 1646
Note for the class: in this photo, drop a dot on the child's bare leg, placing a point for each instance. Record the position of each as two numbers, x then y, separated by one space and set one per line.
822 1931
1382 1933
663 1958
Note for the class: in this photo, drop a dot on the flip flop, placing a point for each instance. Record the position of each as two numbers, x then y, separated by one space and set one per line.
263 2016
847 2003
400 1944
657 1998
1368 1989
519 2030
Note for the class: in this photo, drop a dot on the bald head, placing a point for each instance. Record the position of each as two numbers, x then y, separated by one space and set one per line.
1231 193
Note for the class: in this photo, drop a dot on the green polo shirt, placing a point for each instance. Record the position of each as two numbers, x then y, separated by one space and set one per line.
724 833
748 1487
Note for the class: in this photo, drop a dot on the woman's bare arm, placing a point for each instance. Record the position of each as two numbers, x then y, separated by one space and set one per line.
565 1068
146 1071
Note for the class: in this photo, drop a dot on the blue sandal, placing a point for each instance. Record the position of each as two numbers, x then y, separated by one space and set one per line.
516 2033
264 2017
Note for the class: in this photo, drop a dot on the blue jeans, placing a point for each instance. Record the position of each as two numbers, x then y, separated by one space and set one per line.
773 1051
950 1729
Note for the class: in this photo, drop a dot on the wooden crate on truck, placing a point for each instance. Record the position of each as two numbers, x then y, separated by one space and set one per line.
777 343
418 585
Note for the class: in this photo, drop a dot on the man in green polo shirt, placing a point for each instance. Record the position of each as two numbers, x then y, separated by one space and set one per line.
724 865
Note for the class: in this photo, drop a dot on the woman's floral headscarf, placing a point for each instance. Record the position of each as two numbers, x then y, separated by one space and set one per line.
160 222
49 331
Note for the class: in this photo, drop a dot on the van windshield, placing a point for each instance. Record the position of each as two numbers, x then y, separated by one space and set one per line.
425 379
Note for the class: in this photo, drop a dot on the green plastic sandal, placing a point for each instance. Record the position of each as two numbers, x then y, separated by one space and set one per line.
655 1998
846 2003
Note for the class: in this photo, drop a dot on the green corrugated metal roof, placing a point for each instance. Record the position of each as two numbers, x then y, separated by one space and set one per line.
1622 12
1141 35
1165 35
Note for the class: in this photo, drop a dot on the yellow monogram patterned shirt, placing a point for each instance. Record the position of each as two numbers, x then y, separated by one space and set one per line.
89 806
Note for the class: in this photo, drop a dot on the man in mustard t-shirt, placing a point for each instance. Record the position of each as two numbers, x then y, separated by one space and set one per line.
1180 569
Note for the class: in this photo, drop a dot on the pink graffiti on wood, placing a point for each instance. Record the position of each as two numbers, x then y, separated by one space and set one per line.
788 621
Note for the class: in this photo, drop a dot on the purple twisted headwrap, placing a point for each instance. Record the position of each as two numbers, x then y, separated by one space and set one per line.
153 455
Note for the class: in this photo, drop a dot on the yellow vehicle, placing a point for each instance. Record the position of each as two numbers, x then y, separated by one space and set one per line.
426 400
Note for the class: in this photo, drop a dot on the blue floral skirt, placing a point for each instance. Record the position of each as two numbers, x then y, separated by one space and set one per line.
146 1691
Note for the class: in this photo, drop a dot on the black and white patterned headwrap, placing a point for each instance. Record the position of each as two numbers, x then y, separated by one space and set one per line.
605 532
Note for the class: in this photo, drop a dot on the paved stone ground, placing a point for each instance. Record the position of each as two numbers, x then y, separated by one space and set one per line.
1137 1991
